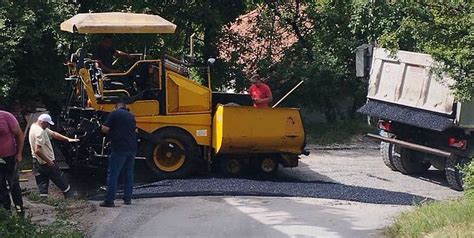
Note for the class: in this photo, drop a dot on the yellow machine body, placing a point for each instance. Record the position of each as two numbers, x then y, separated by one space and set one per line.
188 105
257 130
170 108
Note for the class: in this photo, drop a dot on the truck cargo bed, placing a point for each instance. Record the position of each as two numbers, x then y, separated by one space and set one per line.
406 79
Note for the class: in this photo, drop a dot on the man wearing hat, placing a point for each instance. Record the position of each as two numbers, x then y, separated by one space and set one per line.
260 92
43 156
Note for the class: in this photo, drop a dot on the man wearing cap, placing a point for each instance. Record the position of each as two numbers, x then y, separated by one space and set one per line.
120 127
260 92
11 147
43 154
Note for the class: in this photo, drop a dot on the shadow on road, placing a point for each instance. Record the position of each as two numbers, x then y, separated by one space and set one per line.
433 176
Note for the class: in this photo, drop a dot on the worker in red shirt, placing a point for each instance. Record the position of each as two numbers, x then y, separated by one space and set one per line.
260 92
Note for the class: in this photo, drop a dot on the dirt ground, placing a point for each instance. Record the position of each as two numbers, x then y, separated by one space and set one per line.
80 213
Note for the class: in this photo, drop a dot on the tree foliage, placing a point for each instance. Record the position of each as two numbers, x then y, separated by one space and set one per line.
329 31
30 64
323 34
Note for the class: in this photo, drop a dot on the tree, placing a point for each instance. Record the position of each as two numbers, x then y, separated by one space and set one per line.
30 64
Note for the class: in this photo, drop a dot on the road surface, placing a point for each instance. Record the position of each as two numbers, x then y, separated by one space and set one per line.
333 193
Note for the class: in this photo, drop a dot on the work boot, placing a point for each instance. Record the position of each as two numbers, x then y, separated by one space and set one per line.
70 194
20 210
107 204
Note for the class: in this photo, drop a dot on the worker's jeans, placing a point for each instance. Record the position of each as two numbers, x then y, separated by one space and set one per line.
118 161
43 173
9 175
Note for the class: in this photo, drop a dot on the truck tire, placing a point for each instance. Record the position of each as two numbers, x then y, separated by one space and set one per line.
388 150
175 157
454 172
409 162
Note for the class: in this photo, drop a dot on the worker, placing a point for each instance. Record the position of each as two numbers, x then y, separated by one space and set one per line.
260 92
120 126
11 148
44 165
106 52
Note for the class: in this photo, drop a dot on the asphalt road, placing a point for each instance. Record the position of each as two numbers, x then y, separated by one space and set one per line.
333 193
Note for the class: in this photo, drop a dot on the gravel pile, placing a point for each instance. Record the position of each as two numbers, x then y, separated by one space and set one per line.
410 116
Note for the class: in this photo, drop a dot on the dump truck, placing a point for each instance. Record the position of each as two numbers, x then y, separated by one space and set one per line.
182 125
421 123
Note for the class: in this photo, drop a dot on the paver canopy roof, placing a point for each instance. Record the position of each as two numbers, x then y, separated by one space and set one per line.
117 22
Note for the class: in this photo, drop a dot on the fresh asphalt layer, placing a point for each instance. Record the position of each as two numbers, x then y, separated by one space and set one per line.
278 187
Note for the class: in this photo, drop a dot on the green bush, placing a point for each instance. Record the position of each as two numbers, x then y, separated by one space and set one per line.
337 132
469 180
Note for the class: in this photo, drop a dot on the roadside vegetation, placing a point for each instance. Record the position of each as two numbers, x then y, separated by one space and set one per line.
337 133
15 226
453 218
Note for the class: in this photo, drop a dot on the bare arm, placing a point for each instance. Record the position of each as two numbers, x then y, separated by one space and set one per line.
107 69
58 136
41 156
105 129
20 140
265 100
119 53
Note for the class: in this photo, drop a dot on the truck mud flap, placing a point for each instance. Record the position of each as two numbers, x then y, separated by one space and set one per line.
413 146
406 115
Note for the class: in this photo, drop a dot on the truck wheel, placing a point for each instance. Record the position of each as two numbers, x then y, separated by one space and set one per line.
409 162
231 166
388 150
175 156
454 172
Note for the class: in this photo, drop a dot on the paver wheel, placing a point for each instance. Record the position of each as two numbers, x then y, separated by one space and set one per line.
267 165
454 172
231 166
410 162
175 156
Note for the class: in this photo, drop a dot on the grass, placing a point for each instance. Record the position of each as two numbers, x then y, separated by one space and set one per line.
454 218
14 226
336 133
436 218
59 203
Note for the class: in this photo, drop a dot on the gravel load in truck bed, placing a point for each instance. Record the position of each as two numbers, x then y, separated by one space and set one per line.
410 116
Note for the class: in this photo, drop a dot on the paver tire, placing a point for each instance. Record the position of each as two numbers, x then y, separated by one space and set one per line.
175 156
231 166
